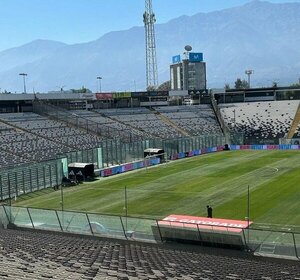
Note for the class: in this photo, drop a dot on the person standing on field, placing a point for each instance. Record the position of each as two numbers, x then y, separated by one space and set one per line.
209 211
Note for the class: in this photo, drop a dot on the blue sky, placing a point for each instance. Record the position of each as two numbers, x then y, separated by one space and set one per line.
77 21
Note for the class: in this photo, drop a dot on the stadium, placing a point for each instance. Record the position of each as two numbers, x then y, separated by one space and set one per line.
112 187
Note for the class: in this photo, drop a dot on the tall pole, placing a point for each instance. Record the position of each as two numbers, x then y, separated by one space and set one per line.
62 198
9 194
234 120
151 61
24 82
126 205
99 83
248 213
249 73
62 206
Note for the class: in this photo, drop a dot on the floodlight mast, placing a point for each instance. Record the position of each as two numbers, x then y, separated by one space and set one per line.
151 61
249 73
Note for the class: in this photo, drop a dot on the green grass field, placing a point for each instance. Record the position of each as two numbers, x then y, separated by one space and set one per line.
187 186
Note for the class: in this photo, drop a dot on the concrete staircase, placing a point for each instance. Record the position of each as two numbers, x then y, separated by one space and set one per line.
169 122
295 124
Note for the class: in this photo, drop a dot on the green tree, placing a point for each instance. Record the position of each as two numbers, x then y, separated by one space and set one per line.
227 87
81 90
296 85
241 84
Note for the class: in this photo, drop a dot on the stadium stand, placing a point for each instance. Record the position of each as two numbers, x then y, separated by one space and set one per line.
293 132
42 255
30 137
116 128
260 121
177 121
54 130
297 133
144 120
196 120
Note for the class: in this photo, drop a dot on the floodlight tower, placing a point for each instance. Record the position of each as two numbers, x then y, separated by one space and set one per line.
151 62
249 73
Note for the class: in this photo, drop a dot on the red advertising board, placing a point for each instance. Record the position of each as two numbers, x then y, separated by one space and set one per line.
104 96
182 221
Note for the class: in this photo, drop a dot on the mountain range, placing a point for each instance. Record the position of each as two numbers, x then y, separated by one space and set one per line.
261 36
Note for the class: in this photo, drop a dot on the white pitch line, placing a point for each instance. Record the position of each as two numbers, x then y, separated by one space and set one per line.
275 168
264 226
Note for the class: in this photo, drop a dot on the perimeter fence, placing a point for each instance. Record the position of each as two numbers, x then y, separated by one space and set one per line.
263 242
25 178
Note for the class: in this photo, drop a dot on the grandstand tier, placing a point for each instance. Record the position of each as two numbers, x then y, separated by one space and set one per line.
31 137
41 255
261 122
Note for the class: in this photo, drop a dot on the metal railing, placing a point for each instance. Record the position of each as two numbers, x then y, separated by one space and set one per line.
279 243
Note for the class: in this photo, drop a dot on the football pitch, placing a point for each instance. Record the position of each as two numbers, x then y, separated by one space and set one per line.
186 186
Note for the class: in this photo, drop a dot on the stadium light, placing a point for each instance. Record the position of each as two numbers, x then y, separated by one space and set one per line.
24 82
249 73
99 84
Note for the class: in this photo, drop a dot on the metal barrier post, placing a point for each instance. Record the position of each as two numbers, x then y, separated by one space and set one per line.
123 228
7 216
23 181
30 179
199 234
44 176
161 239
9 194
1 187
30 217
295 246
37 178
16 185
61 228
87 216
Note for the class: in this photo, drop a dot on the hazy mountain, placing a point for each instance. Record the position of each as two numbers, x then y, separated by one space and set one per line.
259 36
27 53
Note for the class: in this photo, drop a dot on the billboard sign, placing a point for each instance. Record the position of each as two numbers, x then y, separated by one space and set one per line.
205 223
149 93
104 96
195 57
176 59
139 94
121 95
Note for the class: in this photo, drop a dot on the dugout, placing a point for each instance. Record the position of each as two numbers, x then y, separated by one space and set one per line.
214 232
81 171
154 152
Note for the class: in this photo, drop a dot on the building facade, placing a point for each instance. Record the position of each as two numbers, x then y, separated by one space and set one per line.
188 73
